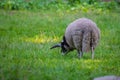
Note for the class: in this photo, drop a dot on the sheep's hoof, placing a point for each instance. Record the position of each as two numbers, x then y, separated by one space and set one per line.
63 54
79 56
92 58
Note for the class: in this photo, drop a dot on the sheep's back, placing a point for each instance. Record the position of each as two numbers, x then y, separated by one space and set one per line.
78 34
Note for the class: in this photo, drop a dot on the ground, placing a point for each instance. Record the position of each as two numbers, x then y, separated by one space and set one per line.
26 36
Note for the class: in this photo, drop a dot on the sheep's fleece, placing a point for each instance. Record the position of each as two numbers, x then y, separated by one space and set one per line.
82 35
79 34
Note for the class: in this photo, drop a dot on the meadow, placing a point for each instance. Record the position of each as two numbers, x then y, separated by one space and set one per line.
26 38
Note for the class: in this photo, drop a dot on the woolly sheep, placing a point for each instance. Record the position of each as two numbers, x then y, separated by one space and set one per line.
82 35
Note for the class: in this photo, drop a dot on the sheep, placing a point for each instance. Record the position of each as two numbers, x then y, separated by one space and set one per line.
82 35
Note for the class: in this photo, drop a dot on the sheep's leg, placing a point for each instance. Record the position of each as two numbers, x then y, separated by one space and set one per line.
92 52
80 54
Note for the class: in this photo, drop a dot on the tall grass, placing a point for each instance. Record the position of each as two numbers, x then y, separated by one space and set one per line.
26 36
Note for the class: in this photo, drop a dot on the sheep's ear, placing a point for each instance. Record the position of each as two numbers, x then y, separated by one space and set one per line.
55 46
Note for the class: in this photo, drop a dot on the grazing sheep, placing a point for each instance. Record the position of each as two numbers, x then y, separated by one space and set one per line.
82 35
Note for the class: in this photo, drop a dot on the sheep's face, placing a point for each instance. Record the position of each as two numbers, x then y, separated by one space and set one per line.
63 45
64 48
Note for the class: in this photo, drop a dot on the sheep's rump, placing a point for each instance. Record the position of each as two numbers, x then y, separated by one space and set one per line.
82 34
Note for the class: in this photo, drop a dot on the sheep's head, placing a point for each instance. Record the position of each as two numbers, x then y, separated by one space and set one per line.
63 45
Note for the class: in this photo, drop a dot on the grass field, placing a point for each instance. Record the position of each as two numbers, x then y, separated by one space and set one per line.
26 36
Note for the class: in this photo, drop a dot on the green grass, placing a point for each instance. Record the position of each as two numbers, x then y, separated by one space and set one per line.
26 36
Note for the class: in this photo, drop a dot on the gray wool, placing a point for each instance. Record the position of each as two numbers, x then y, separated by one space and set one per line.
109 77
81 34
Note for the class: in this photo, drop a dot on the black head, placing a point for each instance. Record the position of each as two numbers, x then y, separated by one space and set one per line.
64 46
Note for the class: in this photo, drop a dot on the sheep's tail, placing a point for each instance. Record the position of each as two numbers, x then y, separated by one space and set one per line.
86 41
